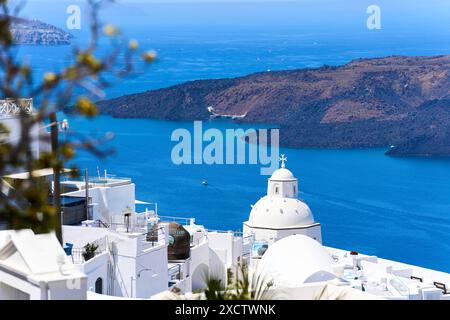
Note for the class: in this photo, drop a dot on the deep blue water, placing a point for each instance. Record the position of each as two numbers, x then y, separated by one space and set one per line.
397 208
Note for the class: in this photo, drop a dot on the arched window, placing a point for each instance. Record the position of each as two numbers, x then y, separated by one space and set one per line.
295 190
276 189
99 285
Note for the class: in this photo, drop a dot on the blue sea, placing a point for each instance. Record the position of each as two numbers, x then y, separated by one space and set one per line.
396 208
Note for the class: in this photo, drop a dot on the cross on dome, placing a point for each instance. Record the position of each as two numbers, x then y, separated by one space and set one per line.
283 159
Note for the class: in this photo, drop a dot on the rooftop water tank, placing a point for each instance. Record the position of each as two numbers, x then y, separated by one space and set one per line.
179 242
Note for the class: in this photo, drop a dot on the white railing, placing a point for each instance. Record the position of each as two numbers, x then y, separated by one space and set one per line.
174 273
137 224
102 246
109 180
199 240
235 233
130 224
180 220
16 106
77 255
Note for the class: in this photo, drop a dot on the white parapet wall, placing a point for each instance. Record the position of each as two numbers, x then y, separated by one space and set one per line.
108 201
226 246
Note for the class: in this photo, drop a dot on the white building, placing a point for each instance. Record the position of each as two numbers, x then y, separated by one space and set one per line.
280 213
106 196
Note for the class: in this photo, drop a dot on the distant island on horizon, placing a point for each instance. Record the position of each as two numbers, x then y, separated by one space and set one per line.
401 103
36 32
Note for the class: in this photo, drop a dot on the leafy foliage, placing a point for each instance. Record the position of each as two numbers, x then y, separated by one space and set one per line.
24 203
90 248
240 286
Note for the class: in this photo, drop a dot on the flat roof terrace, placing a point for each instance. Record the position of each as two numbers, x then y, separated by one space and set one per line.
94 182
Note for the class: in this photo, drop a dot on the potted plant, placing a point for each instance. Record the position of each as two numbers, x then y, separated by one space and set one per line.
89 251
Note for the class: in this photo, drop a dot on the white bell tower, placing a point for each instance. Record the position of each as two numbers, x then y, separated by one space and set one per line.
280 213
282 183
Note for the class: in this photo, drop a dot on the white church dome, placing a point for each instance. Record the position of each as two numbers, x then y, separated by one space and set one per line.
282 174
276 213
295 260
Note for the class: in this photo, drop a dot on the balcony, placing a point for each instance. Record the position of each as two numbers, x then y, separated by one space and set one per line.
134 227
78 254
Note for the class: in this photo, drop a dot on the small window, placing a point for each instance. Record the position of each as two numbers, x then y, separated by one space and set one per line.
276 189
99 286
295 189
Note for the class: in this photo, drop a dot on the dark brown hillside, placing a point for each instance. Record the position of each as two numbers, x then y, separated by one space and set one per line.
400 101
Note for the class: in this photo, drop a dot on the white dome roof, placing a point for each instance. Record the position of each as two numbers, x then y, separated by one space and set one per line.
276 212
282 174
295 260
